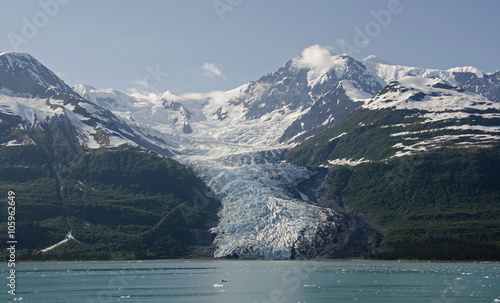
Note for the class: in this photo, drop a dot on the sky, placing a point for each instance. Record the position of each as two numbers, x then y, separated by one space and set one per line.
205 45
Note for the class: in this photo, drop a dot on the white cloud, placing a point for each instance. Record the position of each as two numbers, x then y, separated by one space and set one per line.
212 71
141 94
315 57
142 83
140 88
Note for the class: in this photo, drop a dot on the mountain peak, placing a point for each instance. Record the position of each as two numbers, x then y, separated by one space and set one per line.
16 55
169 95
315 57
320 62
23 74
319 58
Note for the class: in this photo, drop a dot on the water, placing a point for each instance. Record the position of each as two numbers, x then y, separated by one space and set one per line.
254 281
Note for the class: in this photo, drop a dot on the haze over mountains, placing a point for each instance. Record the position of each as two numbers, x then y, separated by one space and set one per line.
351 122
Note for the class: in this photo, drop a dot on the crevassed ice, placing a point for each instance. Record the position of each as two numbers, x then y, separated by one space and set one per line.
261 217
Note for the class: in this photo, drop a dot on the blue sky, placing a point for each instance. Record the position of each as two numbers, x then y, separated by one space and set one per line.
203 45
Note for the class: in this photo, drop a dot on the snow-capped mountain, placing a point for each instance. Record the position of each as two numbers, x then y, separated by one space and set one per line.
164 107
310 93
422 156
409 116
35 95
299 88
467 77
236 140
25 76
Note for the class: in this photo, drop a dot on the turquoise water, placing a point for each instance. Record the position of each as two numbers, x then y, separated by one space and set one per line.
254 281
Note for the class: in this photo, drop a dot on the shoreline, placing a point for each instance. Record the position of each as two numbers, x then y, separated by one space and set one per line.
189 260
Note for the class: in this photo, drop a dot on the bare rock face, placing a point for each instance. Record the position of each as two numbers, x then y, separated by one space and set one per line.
343 234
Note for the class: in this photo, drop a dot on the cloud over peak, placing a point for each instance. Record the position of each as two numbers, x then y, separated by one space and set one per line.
315 57
211 71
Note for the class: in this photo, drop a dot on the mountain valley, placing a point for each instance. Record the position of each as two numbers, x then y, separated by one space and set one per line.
330 158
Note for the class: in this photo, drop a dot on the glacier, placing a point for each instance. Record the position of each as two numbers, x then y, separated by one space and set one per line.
263 216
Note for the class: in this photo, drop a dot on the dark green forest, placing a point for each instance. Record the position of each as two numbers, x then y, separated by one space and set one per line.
441 205
119 203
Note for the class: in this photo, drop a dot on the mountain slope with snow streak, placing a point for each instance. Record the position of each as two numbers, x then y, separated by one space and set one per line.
33 93
409 116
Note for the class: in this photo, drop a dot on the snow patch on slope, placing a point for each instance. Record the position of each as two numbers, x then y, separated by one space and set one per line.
355 94
436 96
29 109
350 162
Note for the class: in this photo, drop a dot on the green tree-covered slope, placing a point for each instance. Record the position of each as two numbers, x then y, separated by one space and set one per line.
117 202
441 202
